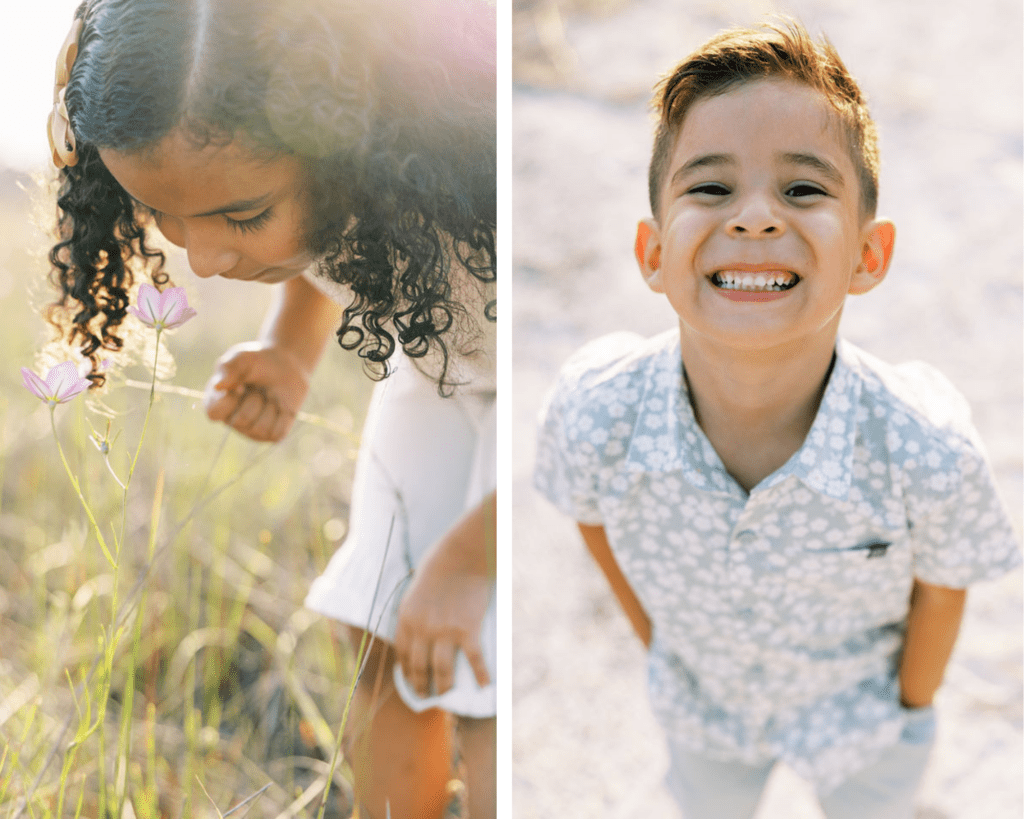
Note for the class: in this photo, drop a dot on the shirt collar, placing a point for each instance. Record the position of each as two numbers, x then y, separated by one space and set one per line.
667 438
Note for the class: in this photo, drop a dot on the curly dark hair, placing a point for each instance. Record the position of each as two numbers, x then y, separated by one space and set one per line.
390 107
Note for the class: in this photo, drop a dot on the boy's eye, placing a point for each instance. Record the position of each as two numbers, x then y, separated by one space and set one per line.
710 189
804 189
250 225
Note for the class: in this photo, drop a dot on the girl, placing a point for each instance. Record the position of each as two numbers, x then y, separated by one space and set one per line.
345 152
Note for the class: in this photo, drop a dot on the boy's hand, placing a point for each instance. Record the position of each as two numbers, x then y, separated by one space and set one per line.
445 604
257 390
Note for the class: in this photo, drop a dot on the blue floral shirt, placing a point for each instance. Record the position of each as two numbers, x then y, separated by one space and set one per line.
777 616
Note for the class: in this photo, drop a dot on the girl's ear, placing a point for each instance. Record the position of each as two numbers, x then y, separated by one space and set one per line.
880 237
648 253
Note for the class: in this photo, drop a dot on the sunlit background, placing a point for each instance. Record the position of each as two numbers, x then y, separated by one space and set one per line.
944 83
31 35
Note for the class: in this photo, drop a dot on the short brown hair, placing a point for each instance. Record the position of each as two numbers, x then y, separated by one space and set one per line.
785 50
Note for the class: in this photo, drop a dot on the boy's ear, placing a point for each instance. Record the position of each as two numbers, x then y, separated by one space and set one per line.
648 253
879 240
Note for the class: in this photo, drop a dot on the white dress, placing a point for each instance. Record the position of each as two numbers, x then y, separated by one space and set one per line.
424 461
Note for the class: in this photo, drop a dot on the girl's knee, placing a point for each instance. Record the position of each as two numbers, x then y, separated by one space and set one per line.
478 729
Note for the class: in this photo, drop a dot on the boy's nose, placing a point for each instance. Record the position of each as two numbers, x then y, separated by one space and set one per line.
756 216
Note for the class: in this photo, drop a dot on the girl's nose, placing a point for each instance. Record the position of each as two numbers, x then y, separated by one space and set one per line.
207 256
756 215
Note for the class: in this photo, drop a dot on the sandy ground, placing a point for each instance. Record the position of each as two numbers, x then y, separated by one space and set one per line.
944 81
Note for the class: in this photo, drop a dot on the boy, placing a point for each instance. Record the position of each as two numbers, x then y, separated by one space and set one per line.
789 523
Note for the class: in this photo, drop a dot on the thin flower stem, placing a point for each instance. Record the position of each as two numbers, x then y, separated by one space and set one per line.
81 497
149 409
138 450
106 460
128 605
303 417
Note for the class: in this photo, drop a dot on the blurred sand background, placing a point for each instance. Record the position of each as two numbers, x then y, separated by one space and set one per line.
944 83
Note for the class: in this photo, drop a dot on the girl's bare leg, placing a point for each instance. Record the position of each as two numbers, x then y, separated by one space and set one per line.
399 758
477 741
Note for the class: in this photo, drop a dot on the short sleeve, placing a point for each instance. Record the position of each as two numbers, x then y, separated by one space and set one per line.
565 471
965 537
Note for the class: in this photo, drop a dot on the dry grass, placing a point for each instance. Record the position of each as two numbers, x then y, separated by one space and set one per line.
221 685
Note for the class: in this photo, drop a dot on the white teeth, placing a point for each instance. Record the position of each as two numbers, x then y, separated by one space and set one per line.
735 281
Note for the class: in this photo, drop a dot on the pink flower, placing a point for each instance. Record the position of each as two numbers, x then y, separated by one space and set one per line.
62 383
162 311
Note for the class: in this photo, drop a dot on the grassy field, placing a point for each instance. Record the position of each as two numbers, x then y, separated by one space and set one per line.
215 683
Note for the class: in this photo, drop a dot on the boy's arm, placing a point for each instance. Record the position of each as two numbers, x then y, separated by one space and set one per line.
932 626
597 543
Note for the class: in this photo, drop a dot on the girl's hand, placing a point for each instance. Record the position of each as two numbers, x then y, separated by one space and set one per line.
257 390
444 606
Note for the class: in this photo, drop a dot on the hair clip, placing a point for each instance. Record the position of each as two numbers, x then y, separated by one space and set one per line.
63 148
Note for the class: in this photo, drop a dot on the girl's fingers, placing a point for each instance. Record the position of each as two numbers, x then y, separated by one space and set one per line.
255 415
231 373
247 411
430 667
475 656
417 667
442 666
262 429
282 424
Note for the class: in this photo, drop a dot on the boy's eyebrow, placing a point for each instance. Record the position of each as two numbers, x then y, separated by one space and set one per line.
806 160
702 161
823 166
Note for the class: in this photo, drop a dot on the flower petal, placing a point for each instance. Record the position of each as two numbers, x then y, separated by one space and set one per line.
171 301
65 383
34 384
149 304
185 314
175 310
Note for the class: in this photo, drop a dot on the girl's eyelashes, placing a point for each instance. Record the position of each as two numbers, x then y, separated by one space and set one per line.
250 225
241 225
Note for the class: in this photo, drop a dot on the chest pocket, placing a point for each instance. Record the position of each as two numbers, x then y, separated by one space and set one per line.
848 589
872 559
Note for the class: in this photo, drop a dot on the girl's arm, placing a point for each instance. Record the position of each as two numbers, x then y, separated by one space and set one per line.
445 604
932 626
300 320
259 386
597 543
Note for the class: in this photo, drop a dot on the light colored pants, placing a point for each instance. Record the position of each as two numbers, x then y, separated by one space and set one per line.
707 789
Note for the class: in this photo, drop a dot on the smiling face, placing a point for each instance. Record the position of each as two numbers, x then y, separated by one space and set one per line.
237 216
760 236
